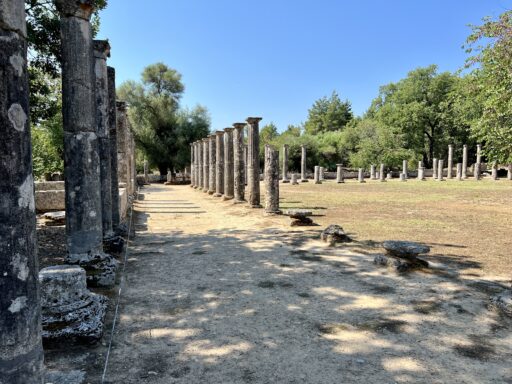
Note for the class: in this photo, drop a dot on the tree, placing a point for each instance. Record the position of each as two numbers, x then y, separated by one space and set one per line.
419 109
328 114
492 85
163 130
43 38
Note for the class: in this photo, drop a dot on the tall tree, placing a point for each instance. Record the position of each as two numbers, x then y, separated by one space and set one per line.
490 46
161 128
328 114
419 109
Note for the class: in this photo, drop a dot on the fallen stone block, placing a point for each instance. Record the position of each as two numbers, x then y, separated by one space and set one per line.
70 312
400 265
334 234
404 249
100 268
55 218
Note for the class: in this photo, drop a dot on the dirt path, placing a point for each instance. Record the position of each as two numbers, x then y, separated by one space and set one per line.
217 293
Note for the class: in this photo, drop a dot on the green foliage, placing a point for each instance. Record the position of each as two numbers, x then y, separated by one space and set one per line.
419 112
328 114
47 142
491 46
161 128
43 38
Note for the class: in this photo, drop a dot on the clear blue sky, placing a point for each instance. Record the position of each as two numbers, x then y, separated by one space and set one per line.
274 58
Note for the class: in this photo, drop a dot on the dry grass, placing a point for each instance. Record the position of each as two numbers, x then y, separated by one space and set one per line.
468 223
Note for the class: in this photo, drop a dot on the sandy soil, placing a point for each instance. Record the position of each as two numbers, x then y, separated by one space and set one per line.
217 293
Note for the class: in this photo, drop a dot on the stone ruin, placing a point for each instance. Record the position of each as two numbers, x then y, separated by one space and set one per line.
403 256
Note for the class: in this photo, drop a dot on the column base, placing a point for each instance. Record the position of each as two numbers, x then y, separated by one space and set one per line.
218 195
225 198
211 192
295 183
273 213
285 181
113 244
206 191
255 206
304 180
239 201
340 182
318 182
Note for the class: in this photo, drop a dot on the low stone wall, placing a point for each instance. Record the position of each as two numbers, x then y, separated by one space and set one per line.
50 196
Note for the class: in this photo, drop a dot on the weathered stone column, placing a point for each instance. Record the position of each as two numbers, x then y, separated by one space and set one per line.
200 164
197 164
459 171
122 138
494 171
206 165
372 172
294 179
389 176
404 168
219 164
303 175
339 173
476 171
479 153
465 161
239 164
246 161
450 162
509 172
21 352
402 177
146 171
285 164
229 172
360 176
211 166
382 175
192 166
101 53
440 171
81 161
421 171
271 180
254 161
434 169
322 173
112 134
316 175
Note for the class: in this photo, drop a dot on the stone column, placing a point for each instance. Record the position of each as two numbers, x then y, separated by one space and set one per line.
200 164
402 177
192 166
197 165
294 179
360 176
303 176
494 171
322 173
246 161
146 171
372 172
382 174
219 164
434 169
285 164
211 166
316 175
122 138
271 180
509 172
339 173
465 161
81 161
101 52
21 352
450 162
404 168
389 176
229 172
421 171
254 161
440 171
206 165
459 171
476 171
112 134
239 163
479 153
